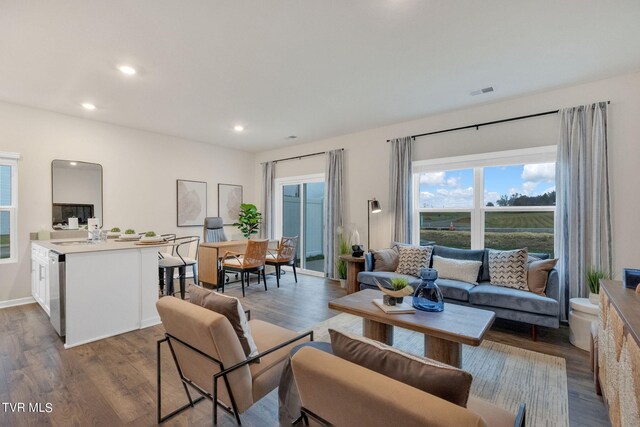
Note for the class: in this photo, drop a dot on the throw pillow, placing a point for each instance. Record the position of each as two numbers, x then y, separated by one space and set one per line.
385 259
539 274
457 269
230 308
428 375
413 259
509 268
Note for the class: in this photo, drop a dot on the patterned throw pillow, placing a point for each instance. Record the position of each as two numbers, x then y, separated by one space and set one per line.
509 268
413 259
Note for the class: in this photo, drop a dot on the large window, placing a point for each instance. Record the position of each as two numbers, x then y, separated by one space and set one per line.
8 206
502 200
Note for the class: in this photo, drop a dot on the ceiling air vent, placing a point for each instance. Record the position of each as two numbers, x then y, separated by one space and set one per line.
481 91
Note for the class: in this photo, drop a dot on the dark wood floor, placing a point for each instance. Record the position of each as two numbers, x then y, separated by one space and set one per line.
113 381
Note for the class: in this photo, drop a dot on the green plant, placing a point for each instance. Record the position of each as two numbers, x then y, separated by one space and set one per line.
150 234
130 231
249 220
115 230
399 283
343 249
593 278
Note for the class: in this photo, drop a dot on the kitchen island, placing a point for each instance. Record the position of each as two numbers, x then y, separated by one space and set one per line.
97 290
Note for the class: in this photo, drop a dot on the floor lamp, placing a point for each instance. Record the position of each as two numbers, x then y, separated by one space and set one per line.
373 206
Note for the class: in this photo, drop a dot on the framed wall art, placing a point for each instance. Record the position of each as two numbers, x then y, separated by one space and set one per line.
192 202
229 201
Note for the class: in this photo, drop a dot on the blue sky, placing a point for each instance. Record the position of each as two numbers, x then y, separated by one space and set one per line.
454 189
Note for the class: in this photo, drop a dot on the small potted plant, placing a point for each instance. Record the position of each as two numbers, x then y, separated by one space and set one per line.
341 265
400 290
594 275
399 283
249 220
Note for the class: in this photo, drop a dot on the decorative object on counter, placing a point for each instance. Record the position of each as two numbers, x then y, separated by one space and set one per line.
93 226
373 206
192 202
249 220
343 249
114 232
400 290
129 234
594 275
357 250
631 278
229 203
428 296
72 223
150 236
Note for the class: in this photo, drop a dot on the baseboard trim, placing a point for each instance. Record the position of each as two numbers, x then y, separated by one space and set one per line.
16 302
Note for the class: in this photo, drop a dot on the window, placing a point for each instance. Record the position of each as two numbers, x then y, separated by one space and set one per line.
8 206
501 200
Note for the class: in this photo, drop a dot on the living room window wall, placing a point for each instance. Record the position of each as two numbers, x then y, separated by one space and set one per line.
8 206
502 200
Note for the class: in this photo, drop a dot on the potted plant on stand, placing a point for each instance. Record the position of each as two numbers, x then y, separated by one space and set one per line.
594 276
249 220
343 249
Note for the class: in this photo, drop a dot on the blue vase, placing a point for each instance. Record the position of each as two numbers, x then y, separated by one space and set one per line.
427 296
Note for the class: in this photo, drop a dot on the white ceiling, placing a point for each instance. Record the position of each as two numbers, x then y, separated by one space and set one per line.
310 68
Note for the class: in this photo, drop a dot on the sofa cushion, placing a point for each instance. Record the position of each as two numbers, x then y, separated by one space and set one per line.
385 259
413 259
509 268
464 254
538 275
428 375
384 277
457 269
514 299
454 289
229 307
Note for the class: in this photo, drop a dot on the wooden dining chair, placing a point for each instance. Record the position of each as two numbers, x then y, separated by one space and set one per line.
285 255
251 261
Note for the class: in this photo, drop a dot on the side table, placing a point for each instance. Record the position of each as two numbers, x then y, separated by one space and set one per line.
581 314
354 266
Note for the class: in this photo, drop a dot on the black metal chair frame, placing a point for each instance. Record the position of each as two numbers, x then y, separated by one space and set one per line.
278 266
181 269
233 411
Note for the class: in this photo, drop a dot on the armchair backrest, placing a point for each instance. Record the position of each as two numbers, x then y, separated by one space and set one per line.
214 230
344 393
255 254
212 334
287 248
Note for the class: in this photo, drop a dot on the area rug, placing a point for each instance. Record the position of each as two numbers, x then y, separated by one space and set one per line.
503 375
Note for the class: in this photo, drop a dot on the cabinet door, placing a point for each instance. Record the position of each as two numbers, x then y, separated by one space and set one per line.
35 281
41 283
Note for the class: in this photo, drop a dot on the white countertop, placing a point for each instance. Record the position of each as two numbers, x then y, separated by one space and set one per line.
109 245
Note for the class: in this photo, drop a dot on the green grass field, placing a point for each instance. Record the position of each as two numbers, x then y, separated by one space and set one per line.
4 239
535 242
492 219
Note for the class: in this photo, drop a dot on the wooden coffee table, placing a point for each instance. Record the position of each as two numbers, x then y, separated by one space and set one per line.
444 332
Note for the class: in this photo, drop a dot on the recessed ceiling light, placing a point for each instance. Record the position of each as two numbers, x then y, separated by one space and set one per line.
73 163
88 106
238 128
291 137
127 69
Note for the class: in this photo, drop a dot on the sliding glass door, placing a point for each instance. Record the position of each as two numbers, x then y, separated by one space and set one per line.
300 212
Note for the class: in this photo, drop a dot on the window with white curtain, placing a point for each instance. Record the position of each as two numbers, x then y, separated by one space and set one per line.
503 200
8 206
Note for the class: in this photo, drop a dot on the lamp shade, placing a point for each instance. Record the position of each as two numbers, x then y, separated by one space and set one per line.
375 206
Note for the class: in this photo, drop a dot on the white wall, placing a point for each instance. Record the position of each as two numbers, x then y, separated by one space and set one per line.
367 153
140 172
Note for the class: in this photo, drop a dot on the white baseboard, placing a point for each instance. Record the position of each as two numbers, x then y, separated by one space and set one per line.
16 302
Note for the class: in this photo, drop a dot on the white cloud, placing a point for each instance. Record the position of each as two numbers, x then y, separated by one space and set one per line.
539 172
453 181
491 196
442 192
549 190
432 178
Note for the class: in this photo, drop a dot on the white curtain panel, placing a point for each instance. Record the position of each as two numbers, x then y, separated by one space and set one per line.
400 192
333 209
268 190
583 206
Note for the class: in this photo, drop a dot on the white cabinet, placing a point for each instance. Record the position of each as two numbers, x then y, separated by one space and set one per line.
40 275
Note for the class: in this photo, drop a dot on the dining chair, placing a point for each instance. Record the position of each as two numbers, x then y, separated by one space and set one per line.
251 261
285 255
185 254
163 252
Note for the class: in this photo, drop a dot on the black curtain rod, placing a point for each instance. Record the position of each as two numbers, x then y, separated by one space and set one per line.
478 125
303 156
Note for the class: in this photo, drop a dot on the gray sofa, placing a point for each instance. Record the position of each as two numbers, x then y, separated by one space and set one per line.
507 303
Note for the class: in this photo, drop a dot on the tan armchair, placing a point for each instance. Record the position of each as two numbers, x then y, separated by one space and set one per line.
285 255
337 392
251 261
210 360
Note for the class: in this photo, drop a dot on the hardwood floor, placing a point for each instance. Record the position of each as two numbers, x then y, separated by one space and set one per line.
113 381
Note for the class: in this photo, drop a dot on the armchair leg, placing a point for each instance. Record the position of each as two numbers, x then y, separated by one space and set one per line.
278 274
242 280
161 280
295 275
183 281
169 280
222 281
195 275
264 277
534 333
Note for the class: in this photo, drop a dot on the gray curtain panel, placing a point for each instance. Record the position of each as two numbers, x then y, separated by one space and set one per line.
400 192
583 206
333 209
268 192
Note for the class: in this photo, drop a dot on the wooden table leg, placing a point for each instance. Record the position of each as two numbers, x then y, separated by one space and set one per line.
377 331
444 351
